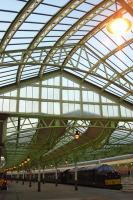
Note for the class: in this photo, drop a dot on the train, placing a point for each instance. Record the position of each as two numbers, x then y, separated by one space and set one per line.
3 181
103 176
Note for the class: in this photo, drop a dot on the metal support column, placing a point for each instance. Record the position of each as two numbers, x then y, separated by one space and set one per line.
23 178
30 178
39 179
75 177
11 177
35 178
43 176
3 122
17 176
1 138
56 177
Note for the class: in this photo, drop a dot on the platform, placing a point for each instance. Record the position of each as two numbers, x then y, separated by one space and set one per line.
17 191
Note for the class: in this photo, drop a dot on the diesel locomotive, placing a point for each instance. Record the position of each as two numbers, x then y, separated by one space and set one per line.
103 176
3 181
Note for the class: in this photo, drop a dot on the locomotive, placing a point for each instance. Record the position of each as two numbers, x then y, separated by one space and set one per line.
103 176
3 181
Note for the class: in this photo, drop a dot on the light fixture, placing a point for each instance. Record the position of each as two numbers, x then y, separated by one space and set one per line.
77 135
28 159
25 162
119 25
66 162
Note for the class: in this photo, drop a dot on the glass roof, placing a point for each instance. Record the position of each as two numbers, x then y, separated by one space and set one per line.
77 28
40 37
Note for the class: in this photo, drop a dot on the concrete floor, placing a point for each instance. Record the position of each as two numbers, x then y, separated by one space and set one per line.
17 191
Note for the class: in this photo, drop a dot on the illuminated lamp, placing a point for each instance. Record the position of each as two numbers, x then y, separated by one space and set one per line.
28 159
77 135
25 162
66 162
119 25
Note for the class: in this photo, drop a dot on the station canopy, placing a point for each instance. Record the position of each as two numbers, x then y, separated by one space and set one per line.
62 72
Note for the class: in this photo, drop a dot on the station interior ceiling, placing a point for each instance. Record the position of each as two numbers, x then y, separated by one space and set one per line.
61 73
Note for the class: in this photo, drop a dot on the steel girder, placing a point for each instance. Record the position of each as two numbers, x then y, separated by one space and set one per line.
96 88
72 77
58 41
81 22
105 152
53 123
29 81
104 58
45 30
21 17
113 78
88 36
90 72
92 138
110 80
127 6
49 133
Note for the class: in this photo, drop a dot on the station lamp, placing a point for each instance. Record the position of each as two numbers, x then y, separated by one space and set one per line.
118 25
66 162
25 162
77 135
28 159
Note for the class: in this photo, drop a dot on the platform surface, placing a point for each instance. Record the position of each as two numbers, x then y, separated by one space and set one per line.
17 191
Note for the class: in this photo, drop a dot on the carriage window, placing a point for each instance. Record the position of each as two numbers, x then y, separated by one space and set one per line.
105 168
